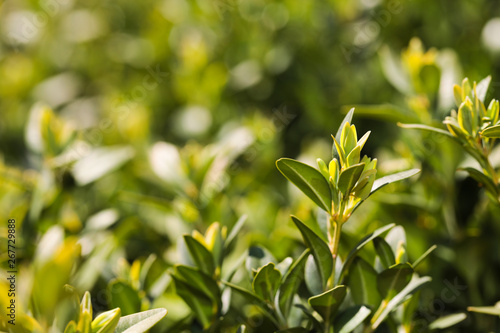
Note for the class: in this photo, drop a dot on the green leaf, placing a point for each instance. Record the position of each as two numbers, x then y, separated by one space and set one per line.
367 239
319 249
309 180
481 178
313 277
258 257
199 280
363 283
200 304
266 282
347 119
348 320
291 282
253 299
482 88
427 128
447 321
123 296
491 310
423 256
415 283
71 327
354 156
466 117
392 280
200 255
106 322
349 177
327 303
99 162
384 252
381 182
491 132
140 322
235 231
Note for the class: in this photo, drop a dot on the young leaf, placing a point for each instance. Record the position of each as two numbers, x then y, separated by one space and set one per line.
266 282
386 112
309 180
327 303
200 254
354 156
319 249
106 322
291 282
491 132
347 119
140 322
349 177
348 320
384 252
482 88
363 283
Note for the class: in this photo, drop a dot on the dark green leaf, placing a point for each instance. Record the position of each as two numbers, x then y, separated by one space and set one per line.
360 245
201 305
415 283
199 280
363 283
392 280
481 178
266 282
327 303
200 255
384 252
309 180
319 249
123 296
423 256
291 282
348 320
293 330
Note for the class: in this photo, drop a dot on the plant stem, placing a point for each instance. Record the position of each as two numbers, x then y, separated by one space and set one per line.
335 228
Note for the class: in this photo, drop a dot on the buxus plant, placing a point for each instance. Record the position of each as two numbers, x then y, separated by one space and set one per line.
318 291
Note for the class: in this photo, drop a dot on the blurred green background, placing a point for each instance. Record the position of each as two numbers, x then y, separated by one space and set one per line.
124 124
